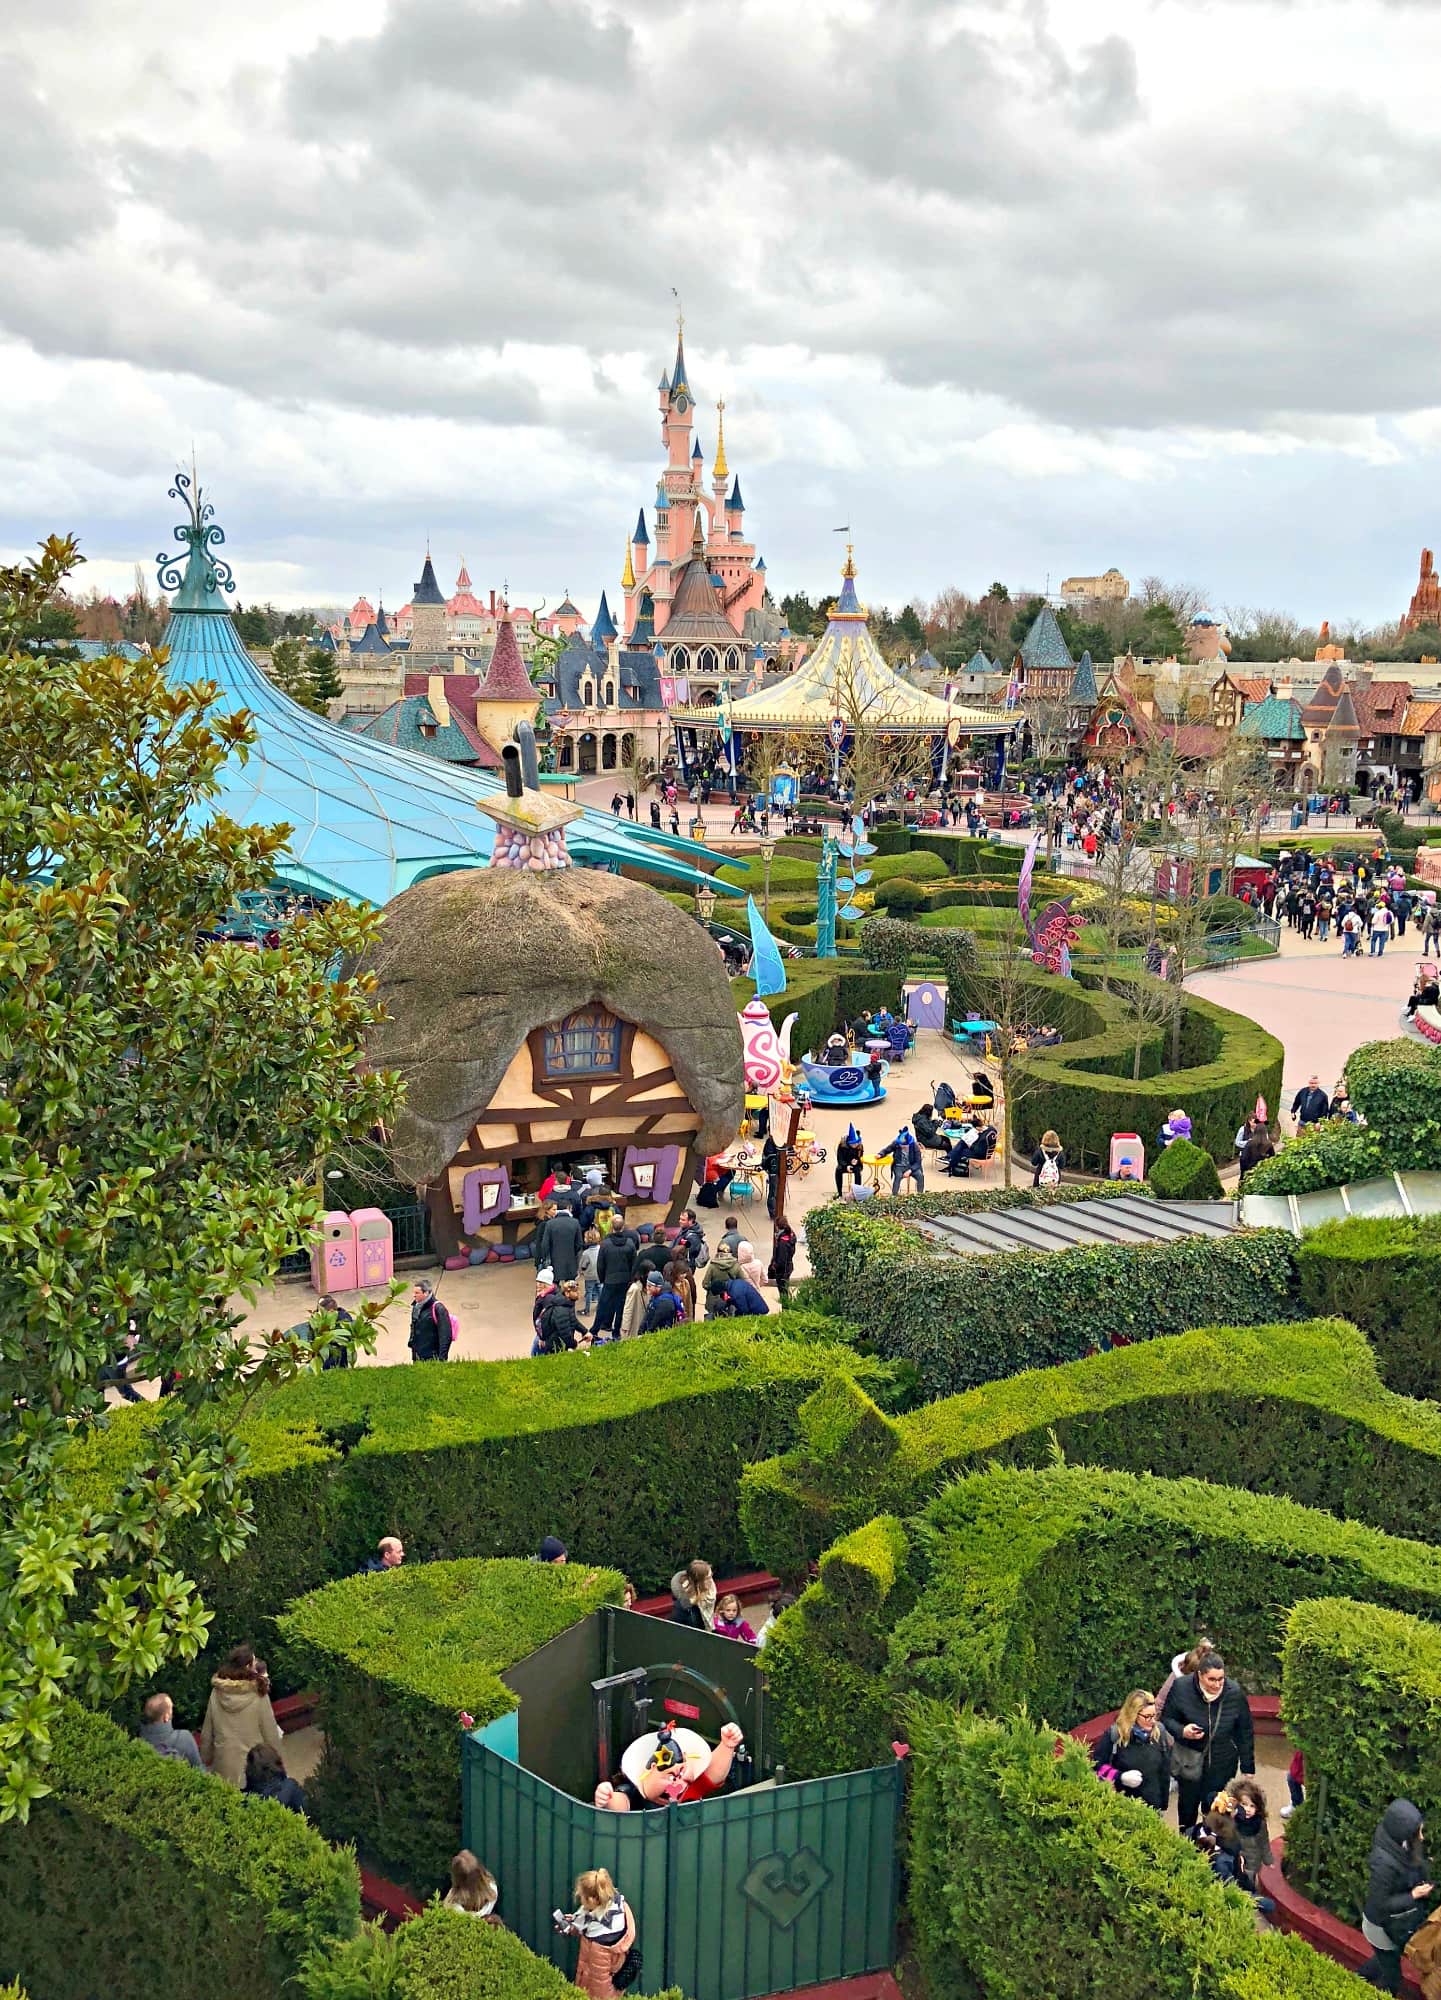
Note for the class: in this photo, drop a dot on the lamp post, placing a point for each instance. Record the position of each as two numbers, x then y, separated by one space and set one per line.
768 853
705 904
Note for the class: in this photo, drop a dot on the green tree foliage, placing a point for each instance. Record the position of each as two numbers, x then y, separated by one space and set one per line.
800 614
164 1107
308 674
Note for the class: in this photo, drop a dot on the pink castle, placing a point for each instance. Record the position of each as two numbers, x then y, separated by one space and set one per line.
682 507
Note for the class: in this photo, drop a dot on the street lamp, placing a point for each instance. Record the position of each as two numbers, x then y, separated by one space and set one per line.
768 851
705 903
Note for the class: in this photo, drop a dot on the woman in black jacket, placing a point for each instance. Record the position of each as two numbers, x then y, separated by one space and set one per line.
1138 1750
850 1154
1396 1893
1209 1718
559 1324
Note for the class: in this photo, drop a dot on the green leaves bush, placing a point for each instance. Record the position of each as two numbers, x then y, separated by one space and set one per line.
1320 1156
1362 1692
1384 1273
443 1956
139 1875
483 1458
396 1659
1184 1171
957 1325
1396 1086
1069 1888
901 897
1056 1589
1298 1411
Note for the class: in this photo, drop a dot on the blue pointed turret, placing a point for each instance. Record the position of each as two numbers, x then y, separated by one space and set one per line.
640 534
371 640
760 562
382 623
735 505
848 605
1083 683
696 452
366 819
643 633
979 664
677 374
662 498
664 383
326 640
428 591
604 628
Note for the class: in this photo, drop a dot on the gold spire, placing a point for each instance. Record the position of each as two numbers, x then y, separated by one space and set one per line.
850 568
627 575
720 470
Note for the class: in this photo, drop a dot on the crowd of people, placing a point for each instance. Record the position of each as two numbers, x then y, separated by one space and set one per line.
1364 904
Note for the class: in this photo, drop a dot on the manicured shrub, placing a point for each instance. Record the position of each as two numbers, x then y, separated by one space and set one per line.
901 896
396 1660
1227 913
1362 1692
1056 1590
1396 1086
1027 1877
958 1323
483 1458
139 1875
1320 1156
964 856
891 837
1383 1272
1184 1171
1297 1411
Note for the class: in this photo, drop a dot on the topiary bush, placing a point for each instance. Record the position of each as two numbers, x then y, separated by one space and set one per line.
1048 1589
1396 1086
1034 1307
901 897
1297 1411
204 1890
1184 1171
1027 1877
480 1458
396 1660
1320 1156
1384 1273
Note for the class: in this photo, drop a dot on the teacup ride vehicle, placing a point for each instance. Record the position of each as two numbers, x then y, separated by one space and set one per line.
836 1086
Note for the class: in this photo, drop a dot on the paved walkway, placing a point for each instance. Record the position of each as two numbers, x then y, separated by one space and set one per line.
1318 1004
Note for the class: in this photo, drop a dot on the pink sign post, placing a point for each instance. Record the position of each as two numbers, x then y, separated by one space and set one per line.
375 1246
334 1263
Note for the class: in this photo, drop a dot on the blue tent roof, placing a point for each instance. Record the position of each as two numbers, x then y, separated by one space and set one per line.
367 819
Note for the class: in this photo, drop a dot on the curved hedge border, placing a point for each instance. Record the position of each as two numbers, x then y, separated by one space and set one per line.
994 1807
1057 1589
959 1321
1383 1272
1298 1411
482 1458
139 1875
396 1660
442 1956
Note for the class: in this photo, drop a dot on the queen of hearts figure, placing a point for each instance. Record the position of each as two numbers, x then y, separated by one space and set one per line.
669 1767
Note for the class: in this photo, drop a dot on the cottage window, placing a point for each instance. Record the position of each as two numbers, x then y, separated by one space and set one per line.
586 1043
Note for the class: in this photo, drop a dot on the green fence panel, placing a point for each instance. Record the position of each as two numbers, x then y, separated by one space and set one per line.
784 1886
754 1892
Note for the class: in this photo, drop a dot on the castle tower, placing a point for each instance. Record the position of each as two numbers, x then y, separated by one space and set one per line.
427 625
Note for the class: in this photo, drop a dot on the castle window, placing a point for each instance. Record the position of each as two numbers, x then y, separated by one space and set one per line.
586 1043
708 661
587 694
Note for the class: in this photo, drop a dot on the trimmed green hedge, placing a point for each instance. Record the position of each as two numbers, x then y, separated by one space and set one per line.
1184 1171
482 1458
824 994
958 1321
1057 1589
1396 1086
1298 1411
396 1659
964 856
1320 1156
1362 1690
140 1875
1383 1272
1068 1888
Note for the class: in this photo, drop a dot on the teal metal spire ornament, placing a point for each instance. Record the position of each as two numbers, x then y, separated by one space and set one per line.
205 576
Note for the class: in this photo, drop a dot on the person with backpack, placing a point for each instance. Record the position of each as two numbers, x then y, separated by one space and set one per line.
1049 1160
662 1306
432 1330
558 1328
615 1268
691 1239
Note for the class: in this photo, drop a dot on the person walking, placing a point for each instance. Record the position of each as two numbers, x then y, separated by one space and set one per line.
432 1330
1310 1104
562 1240
1382 923
238 1715
1209 1720
1350 934
1135 1752
605 1925
1397 1885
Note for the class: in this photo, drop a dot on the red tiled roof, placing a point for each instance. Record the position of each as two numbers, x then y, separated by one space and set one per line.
1197 739
1255 687
506 678
1380 707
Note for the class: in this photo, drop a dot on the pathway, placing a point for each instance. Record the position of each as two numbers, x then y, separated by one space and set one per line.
1318 1005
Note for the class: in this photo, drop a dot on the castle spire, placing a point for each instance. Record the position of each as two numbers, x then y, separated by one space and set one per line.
720 470
641 534
678 375
627 575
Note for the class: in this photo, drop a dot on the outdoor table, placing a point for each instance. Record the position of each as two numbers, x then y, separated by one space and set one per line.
877 1044
969 1027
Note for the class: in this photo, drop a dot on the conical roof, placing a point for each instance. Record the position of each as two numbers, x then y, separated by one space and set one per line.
1044 645
640 534
696 617
366 820
979 664
428 591
1083 684
847 676
371 640
506 678
1322 705
1343 722
604 628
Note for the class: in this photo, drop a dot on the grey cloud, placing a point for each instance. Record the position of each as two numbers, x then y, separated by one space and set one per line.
49 191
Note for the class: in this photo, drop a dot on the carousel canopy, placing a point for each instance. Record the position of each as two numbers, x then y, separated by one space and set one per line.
847 676
368 819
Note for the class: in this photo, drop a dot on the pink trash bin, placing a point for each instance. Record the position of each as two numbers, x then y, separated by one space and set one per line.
335 1262
1128 1157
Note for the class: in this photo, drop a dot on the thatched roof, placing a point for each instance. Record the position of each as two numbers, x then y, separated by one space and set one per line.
469 963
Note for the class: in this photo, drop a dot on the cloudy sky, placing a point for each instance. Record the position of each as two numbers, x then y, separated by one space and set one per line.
1014 287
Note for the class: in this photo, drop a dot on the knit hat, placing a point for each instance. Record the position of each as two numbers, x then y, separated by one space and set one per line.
552 1549
652 1281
